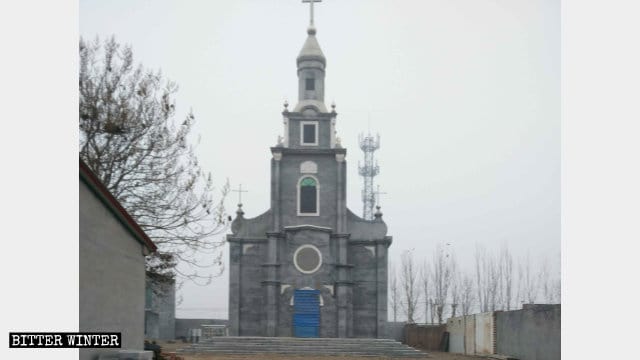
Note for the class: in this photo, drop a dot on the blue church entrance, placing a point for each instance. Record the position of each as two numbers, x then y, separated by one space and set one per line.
306 315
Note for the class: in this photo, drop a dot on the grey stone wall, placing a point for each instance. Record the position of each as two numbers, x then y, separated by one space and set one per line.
324 130
325 275
327 187
395 331
112 275
364 290
352 280
532 333
313 69
353 276
251 292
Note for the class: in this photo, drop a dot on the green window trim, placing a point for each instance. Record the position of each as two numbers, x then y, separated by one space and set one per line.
308 182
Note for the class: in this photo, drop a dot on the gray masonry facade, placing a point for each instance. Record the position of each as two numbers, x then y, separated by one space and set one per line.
290 247
112 252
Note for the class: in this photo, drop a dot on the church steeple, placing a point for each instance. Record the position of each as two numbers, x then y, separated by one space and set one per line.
309 125
308 246
311 70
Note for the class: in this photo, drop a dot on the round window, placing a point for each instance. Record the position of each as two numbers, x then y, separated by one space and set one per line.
307 259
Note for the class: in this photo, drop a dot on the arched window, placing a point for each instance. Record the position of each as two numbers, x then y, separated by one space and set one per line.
308 196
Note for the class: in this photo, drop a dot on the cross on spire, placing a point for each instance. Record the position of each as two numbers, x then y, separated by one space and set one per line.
311 8
378 193
240 191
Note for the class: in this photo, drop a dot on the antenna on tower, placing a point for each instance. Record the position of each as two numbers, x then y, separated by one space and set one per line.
368 171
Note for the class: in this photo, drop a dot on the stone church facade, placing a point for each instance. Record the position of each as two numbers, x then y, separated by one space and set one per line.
308 266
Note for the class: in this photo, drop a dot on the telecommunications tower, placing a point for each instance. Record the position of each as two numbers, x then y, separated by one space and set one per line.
369 170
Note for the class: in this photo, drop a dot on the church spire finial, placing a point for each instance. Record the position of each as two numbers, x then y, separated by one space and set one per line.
311 27
311 70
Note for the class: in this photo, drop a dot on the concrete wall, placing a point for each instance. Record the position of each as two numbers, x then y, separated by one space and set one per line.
469 333
456 328
182 326
166 307
484 333
425 337
532 333
151 325
472 334
160 311
112 275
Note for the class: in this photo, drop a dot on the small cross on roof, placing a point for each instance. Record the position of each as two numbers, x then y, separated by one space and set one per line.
311 8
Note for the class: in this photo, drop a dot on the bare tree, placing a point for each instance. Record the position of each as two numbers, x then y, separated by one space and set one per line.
456 285
493 282
425 275
394 292
131 141
432 311
550 286
543 282
482 286
506 281
487 280
441 277
527 282
467 295
557 291
409 284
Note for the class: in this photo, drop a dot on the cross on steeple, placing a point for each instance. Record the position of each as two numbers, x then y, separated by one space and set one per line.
311 8
240 191
378 193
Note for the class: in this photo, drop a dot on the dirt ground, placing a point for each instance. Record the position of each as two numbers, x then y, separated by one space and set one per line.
433 355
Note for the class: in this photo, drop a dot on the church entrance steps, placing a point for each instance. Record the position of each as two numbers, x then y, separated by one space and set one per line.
303 346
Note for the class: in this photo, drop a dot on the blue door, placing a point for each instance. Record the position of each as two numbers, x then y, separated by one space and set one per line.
306 313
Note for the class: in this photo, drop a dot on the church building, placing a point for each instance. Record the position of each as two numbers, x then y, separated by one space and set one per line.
308 266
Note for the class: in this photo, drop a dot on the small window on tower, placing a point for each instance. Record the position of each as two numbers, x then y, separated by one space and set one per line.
310 84
308 196
309 134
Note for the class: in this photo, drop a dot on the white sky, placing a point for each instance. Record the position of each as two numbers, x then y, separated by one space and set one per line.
464 93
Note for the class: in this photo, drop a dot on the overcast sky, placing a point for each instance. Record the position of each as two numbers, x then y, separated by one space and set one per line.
465 95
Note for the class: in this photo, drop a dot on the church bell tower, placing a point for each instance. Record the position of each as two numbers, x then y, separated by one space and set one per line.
308 266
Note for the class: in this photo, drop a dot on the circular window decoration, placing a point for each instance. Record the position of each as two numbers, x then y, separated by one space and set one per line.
307 259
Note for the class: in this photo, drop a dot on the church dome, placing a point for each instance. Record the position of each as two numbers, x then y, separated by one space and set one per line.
311 49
